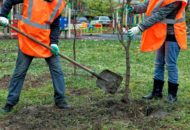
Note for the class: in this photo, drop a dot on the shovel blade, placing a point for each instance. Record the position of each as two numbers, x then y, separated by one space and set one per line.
111 83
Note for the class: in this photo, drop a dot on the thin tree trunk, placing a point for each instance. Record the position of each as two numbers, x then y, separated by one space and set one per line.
125 97
74 47
75 33
113 14
127 75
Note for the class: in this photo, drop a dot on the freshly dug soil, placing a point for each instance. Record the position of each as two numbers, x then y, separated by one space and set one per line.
49 117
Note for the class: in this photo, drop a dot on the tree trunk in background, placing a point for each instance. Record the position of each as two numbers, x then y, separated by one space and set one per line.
113 14
75 34
74 45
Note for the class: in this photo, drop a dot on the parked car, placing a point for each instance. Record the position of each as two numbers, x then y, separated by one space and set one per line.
81 20
104 20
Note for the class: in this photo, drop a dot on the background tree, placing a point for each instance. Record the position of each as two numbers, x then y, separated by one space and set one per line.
75 7
98 7
113 15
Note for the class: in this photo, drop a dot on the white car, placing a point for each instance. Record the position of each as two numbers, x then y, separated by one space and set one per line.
104 20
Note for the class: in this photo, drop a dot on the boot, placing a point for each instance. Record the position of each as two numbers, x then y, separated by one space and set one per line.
172 92
63 105
157 90
7 108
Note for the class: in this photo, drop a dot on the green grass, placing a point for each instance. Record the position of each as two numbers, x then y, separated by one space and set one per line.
99 55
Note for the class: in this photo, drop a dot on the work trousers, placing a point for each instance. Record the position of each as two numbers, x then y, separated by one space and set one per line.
167 55
22 64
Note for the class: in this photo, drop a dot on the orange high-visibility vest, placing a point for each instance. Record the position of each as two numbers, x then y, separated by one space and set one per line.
35 21
154 37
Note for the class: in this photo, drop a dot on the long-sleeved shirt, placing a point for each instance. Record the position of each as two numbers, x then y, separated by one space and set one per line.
169 11
54 35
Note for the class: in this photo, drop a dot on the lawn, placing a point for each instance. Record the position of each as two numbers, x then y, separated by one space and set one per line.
92 108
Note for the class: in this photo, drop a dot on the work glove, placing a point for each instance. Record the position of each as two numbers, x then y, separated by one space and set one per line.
55 50
130 9
4 21
133 31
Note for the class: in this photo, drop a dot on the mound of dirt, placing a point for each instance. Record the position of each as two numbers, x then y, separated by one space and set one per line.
49 117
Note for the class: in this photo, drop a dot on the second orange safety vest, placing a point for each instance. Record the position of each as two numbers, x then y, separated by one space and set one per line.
37 17
154 37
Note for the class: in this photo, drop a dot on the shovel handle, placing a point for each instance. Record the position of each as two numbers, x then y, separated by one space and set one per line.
65 57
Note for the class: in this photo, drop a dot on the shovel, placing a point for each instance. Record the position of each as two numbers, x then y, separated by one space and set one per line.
106 80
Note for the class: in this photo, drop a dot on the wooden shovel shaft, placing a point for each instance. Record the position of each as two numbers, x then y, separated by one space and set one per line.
65 57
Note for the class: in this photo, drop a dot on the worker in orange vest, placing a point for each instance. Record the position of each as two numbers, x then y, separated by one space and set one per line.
40 20
164 30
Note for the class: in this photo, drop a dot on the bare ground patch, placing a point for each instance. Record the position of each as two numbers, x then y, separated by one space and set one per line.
32 81
140 113
29 82
77 92
8 51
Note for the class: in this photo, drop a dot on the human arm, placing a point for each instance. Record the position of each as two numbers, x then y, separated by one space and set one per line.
140 8
164 12
7 6
54 35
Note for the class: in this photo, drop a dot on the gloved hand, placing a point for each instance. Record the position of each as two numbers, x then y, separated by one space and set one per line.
130 9
55 50
133 31
4 21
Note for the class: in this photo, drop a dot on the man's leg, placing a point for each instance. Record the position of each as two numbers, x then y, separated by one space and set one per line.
158 75
16 83
58 81
172 52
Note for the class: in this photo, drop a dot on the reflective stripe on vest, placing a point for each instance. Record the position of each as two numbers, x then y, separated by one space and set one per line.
28 19
55 10
157 6
170 21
